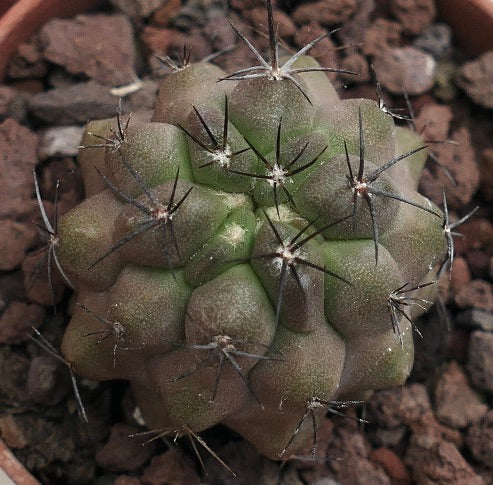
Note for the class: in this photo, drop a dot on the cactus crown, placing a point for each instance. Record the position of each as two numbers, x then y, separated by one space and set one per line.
253 252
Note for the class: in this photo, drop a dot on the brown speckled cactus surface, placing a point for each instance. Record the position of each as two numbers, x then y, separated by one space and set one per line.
251 254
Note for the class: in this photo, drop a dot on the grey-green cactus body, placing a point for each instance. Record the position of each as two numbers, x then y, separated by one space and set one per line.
225 239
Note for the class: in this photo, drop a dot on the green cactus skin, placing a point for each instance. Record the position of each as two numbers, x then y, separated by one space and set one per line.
231 265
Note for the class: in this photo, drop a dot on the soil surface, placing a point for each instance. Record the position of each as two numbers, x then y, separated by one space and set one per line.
437 429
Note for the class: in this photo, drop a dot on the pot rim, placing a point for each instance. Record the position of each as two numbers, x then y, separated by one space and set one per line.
25 17
12 471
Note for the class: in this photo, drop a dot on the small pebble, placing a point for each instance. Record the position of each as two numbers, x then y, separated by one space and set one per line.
17 321
476 319
12 104
123 452
18 148
405 69
355 63
16 238
381 35
486 169
445 88
476 78
477 294
457 405
76 104
436 40
414 15
480 362
353 463
393 465
326 12
480 440
172 466
60 141
138 9
47 381
459 158
11 433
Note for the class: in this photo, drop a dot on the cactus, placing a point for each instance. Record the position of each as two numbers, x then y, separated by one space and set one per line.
252 253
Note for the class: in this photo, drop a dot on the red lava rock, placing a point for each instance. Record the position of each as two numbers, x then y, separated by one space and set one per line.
127 480
170 42
480 439
478 233
16 239
433 122
477 294
7 96
123 452
457 405
414 15
457 341
460 161
355 28
247 4
63 170
476 319
100 46
429 426
349 453
17 320
475 78
171 467
74 104
486 169
381 35
36 281
392 408
393 465
389 437
324 52
47 381
480 362
243 460
327 12
163 15
324 435
28 61
18 155
283 22
437 462
405 69
13 369
219 34
161 40
138 9
143 99
476 245
460 274
11 432
356 63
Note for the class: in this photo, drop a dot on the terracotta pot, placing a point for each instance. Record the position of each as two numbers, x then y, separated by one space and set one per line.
12 472
24 17
472 21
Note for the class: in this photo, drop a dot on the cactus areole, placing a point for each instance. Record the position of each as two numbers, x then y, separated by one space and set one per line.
252 252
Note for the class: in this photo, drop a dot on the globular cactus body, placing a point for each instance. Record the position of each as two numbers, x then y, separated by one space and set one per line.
240 253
